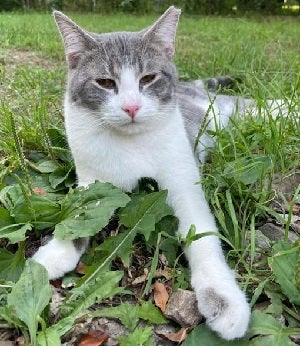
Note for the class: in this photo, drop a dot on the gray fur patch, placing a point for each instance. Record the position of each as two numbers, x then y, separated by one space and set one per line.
215 303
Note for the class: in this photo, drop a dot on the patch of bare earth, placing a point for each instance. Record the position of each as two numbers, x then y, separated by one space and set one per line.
12 58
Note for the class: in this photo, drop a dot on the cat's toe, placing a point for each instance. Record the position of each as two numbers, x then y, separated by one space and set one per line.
226 312
58 257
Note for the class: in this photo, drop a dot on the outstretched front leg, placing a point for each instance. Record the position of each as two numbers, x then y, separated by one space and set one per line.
220 299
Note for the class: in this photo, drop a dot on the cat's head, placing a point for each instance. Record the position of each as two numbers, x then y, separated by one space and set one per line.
123 80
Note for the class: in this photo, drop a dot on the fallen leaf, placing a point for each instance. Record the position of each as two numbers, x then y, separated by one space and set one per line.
166 273
142 278
161 295
56 283
296 209
93 338
81 268
175 337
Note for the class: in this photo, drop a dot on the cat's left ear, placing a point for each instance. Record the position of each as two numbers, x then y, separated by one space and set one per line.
76 39
163 31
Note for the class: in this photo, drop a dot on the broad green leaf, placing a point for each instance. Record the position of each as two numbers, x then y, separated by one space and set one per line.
62 326
275 333
271 340
14 232
46 166
297 273
127 313
248 170
57 138
264 324
150 210
12 265
60 175
30 208
147 311
5 218
48 337
139 337
283 264
202 335
7 314
62 154
30 295
85 211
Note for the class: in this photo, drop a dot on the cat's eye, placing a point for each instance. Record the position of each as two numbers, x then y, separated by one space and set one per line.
147 79
106 83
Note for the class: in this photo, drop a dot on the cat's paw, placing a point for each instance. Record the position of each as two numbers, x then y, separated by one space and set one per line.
226 310
58 257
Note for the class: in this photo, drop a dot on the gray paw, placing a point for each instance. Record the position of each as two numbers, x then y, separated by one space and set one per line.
226 312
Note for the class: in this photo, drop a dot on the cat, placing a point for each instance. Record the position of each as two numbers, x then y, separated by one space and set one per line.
127 116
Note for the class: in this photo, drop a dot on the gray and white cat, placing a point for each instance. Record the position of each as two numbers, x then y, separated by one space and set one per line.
127 116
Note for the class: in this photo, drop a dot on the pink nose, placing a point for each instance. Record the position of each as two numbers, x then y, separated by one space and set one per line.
131 110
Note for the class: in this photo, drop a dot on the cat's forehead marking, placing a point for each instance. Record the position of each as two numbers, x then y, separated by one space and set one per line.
128 77
129 87
128 49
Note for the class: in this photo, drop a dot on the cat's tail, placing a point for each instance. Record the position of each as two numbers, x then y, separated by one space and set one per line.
216 83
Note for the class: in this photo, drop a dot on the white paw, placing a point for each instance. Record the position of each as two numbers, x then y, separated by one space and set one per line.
225 309
58 257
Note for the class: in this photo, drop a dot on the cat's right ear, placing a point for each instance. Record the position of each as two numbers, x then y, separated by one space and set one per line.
163 31
76 40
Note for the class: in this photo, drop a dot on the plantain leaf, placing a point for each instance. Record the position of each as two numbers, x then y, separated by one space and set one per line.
48 337
28 208
5 218
248 170
202 335
15 232
283 263
85 211
273 332
30 295
12 265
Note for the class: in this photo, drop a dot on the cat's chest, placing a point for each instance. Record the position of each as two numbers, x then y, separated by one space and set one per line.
120 160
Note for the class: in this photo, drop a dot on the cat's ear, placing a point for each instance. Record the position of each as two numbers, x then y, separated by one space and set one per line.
76 40
163 31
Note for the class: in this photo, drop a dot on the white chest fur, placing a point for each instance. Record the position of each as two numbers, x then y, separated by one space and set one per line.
105 155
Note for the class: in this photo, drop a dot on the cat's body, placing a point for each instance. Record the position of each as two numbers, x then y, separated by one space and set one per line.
128 117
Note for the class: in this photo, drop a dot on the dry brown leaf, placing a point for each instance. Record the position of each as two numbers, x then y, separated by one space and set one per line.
93 338
56 283
296 209
161 295
81 268
176 337
166 273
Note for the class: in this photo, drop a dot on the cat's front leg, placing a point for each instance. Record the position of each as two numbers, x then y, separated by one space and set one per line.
219 298
60 256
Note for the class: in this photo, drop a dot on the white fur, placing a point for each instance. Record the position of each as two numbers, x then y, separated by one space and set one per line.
58 257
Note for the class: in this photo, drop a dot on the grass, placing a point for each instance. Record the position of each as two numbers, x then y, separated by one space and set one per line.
238 179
